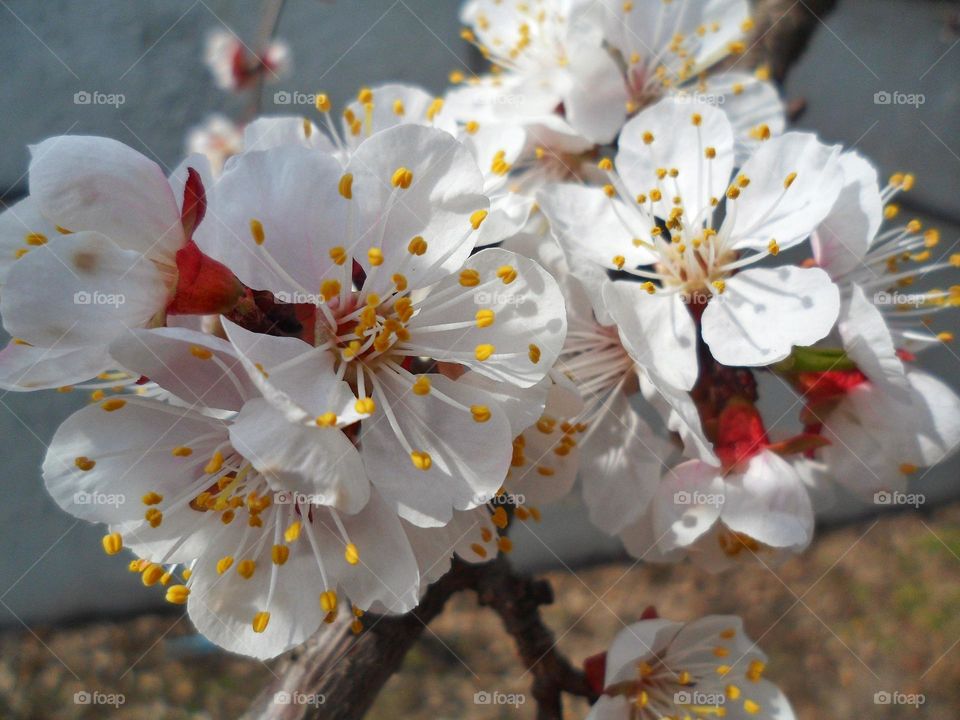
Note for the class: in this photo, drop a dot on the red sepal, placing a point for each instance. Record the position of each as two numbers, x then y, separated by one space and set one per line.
204 286
595 668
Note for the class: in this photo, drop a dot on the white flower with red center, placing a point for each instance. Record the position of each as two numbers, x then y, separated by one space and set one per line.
235 66
656 219
670 48
545 54
755 505
401 218
258 539
218 138
857 246
101 245
705 668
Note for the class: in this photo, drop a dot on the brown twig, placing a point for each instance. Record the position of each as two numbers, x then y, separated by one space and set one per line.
348 671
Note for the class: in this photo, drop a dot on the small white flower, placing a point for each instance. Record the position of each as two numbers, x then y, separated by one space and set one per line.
670 48
218 138
403 213
251 542
234 66
705 668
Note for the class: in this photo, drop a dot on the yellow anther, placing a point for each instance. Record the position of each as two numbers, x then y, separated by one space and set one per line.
402 178
216 462
469 278
606 165
346 187
399 281
351 554
479 550
201 353
647 137
182 451
224 564
504 544
328 601
499 517
751 707
738 47
483 351
279 554
292 532
338 254
35 239
480 413
113 404
421 386
485 318
434 109
398 109
732 692
421 460
154 517
477 218
227 517
256 231
696 119
112 543
619 261
329 289
472 127
728 634
365 406
177 594
720 286
755 670
152 498
773 247
891 211
417 246
20 252
84 463
656 195
710 153
733 193
788 181
327 419
455 77
649 287
365 96
246 569
931 238
322 103
375 256
507 274
720 651
260 621
533 352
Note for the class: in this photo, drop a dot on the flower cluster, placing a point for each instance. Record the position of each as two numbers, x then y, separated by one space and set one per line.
330 362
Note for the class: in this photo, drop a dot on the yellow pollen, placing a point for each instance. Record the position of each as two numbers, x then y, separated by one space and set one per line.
710 153
481 413
472 127
328 419
945 337
399 282
619 261
751 707
733 692
455 77
292 532
113 404
483 351
477 218
533 352
733 193
720 286
112 543
485 318
35 239
755 671
504 544
227 517
260 621
375 256
322 103
479 550
696 119
338 255
152 498
154 517
256 231
737 47
720 651
647 137
609 190
224 564
365 406
649 287
499 517
246 569
773 247
656 195
328 601
606 164
507 274
421 460
398 108
417 246
84 463
402 178
728 634
351 554
177 594
216 462
329 289
182 451
684 678
421 385
434 109
346 187
201 353
279 554
20 252
788 181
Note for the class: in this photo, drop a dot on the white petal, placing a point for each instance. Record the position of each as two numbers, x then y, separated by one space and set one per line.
938 422
681 415
764 312
269 132
843 237
187 363
94 183
610 708
596 104
748 103
657 330
528 311
767 210
81 290
21 227
292 192
469 459
677 143
588 223
319 462
523 406
687 504
622 463
636 642
24 367
414 103
299 380
509 212
445 192
868 342
769 503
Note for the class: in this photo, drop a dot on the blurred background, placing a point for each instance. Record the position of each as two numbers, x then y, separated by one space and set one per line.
873 607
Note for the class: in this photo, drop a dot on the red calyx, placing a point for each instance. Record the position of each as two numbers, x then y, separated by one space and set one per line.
649 613
740 433
595 668
204 286
828 384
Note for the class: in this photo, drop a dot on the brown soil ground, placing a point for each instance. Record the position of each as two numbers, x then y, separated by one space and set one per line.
871 607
